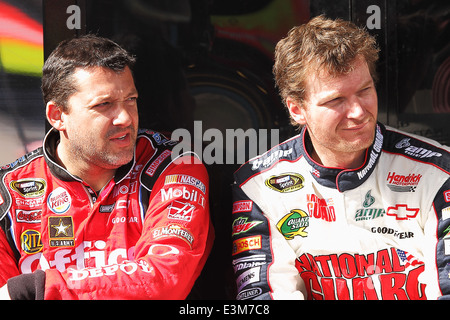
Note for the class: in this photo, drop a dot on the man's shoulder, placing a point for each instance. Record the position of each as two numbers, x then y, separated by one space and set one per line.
157 139
417 148
154 151
25 177
288 150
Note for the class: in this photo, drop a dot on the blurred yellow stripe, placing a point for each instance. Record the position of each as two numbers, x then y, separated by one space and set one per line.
17 56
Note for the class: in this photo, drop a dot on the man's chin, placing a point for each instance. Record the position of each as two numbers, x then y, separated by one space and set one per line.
115 161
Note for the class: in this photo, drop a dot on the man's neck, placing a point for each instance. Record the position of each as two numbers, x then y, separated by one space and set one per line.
97 178
326 158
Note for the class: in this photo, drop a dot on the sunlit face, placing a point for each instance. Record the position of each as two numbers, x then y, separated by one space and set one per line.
340 112
102 118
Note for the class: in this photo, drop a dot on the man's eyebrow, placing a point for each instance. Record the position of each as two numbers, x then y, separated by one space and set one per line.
367 84
132 92
100 99
333 95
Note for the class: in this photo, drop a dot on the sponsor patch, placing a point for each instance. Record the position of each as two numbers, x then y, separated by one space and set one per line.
59 200
320 208
414 151
402 212
245 263
107 208
294 224
155 164
271 158
29 188
368 213
242 206
181 211
185 193
447 196
28 216
174 230
248 277
246 244
30 241
241 225
61 232
446 213
287 182
403 183
249 293
30 203
185 179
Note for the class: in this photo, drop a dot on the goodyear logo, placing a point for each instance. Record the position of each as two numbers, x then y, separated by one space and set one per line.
294 224
287 182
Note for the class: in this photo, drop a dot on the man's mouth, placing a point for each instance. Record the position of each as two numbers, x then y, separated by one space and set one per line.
121 140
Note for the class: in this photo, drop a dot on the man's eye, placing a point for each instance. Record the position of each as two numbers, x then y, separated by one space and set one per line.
365 90
103 104
333 102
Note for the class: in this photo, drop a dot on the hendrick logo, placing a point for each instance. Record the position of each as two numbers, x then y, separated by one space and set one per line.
286 182
403 183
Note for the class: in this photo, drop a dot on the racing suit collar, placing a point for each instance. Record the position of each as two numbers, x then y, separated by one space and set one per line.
51 140
345 179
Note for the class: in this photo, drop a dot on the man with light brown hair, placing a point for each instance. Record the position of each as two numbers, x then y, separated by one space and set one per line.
349 208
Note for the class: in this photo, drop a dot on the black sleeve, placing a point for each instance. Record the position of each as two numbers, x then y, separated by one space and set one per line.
251 251
29 286
442 204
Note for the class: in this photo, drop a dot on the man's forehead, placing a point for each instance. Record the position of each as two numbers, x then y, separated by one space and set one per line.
92 78
321 79
99 83
87 73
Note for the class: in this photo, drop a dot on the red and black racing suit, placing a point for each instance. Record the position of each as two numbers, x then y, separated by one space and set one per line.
146 235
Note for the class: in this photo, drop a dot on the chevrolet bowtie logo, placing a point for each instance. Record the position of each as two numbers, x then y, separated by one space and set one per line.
402 212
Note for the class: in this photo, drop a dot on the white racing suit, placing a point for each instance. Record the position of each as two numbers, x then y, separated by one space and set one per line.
382 231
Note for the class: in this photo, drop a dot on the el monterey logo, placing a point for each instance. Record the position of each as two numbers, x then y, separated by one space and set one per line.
59 200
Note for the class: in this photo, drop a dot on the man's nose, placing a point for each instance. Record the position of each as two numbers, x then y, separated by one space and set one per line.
123 116
356 110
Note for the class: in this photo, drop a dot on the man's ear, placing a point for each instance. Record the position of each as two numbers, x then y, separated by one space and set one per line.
296 110
55 116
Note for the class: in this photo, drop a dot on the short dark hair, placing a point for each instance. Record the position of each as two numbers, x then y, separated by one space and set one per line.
83 52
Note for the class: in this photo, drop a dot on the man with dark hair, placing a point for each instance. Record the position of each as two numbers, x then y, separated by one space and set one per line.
349 208
103 210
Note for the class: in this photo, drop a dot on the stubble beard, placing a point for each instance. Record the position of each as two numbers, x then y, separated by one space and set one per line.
84 150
